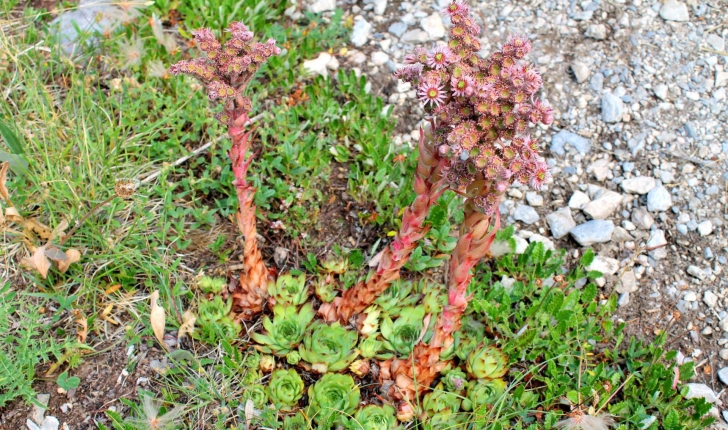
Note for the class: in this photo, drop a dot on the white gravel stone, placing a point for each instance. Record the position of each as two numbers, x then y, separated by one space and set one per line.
547 243
434 26
596 31
660 91
690 296
560 222
658 199
322 6
604 205
642 219
318 65
716 42
673 10
657 241
578 200
591 232
612 108
581 71
534 199
710 299
723 375
705 228
39 411
723 354
696 390
379 58
379 6
638 185
696 272
606 265
360 33
525 214
415 36
627 283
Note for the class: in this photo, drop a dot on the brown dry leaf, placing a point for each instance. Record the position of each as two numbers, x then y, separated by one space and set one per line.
72 256
188 324
54 253
156 317
112 289
38 261
60 230
3 190
106 315
13 215
82 330
37 227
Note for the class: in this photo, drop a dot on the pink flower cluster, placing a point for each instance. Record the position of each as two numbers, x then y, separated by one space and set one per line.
482 108
227 69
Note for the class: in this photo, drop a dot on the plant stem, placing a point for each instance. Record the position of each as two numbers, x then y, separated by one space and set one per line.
83 219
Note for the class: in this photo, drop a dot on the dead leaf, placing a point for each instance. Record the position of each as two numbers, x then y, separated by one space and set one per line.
112 289
82 331
72 256
3 190
106 315
13 215
37 227
38 261
156 317
188 324
54 253
60 230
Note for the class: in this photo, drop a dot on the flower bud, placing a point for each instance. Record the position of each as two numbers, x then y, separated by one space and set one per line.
267 363
360 367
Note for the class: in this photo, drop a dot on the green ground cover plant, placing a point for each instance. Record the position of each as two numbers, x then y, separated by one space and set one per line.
119 184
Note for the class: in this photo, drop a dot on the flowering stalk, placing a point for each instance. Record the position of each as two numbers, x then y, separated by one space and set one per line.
226 71
429 185
482 108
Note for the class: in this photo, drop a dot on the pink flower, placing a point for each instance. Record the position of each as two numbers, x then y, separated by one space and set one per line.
432 93
464 86
240 31
409 72
457 7
540 176
517 46
440 57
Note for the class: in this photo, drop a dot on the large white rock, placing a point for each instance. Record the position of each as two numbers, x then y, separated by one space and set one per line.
360 33
433 26
673 10
318 66
639 185
322 6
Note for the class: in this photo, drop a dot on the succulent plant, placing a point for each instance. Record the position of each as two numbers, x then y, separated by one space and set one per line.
214 320
267 363
251 376
373 417
359 367
487 362
324 289
257 394
440 402
455 380
370 347
296 422
402 334
252 359
369 320
328 348
483 392
434 296
332 394
210 285
335 265
397 296
288 290
285 389
461 346
293 358
286 330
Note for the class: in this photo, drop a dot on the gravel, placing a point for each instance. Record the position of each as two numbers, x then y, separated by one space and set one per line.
596 231
560 222
638 185
563 138
673 10
658 199
612 108
526 214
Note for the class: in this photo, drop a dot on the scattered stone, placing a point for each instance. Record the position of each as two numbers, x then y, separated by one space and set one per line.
638 185
318 65
578 200
534 199
673 10
49 423
642 219
716 42
596 231
657 242
723 375
604 205
660 91
696 390
705 228
398 28
581 71
599 169
710 299
501 248
39 409
596 31
434 26
159 367
379 58
723 354
690 296
415 36
606 265
658 199
280 255
696 272
90 18
525 214
547 243
560 139
627 283
612 108
560 222
380 6
724 326
360 33
322 6
621 235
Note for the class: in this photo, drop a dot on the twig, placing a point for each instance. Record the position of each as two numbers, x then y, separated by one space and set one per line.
149 178
85 217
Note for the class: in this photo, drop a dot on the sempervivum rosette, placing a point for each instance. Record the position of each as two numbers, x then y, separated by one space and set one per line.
285 389
332 395
328 348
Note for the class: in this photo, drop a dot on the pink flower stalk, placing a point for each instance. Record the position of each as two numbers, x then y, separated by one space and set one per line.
480 130
226 71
